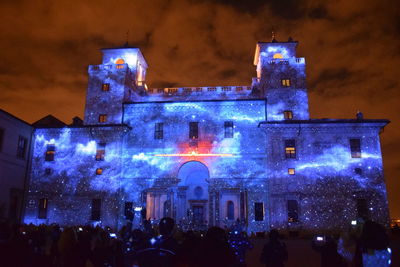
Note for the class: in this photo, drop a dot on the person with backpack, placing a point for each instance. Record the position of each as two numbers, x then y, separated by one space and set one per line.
274 253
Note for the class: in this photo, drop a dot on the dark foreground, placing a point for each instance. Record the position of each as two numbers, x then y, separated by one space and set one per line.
94 246
301 254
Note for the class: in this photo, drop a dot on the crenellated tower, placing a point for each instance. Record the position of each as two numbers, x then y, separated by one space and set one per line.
281 79
120 78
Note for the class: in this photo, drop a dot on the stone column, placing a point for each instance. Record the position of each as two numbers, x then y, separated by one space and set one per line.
211 210
216 208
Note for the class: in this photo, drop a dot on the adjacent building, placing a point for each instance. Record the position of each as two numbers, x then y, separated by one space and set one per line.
207 155
15 141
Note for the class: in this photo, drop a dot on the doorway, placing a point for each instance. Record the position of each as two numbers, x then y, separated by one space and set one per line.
198 214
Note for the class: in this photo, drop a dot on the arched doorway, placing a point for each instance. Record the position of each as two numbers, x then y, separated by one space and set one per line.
192 205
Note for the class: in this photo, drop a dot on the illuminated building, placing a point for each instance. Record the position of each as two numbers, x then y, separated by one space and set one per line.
207 155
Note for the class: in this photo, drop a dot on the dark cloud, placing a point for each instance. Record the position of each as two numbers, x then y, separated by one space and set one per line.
227 74
319 12
249 6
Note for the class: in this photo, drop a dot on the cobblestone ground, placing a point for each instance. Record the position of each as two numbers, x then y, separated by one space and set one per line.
301 254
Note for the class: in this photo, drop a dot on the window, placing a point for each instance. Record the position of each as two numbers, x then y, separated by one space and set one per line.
362 208
99 171
355 147
96 209
230 210
291 171
105 87
120 63
1 138
166 208
101 151
193 130
43 203
128 211
290 149
228 129
48 171
21 147
285 82
288 115
172 90
159 130
293 210
50 151
358 171
102 118
259 211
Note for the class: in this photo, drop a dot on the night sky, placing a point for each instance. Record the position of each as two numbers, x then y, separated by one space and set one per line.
352 51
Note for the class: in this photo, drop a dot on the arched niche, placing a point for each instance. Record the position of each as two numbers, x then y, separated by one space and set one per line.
194 176
193 173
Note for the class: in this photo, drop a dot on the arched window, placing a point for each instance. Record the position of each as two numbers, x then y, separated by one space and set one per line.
277 55
230 210
166 208
120 63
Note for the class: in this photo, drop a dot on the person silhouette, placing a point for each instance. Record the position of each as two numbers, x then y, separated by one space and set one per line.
274 253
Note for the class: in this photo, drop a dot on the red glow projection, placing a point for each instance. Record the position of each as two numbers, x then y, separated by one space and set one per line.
195 154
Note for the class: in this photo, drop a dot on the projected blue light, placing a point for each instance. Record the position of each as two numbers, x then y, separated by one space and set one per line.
238 154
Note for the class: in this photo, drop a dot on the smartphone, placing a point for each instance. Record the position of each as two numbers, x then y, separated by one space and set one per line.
112 235
80 229
354 222
320 238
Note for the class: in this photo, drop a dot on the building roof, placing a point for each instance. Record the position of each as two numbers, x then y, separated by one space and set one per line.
49 122
14 117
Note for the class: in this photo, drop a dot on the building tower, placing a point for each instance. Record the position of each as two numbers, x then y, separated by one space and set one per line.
281 79
120 78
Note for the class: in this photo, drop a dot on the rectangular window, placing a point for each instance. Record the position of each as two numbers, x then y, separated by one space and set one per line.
293 210
285 82
1 138
288 115
128 211
48 171
362 208
101 151
291 171
50 152
228 129
355 147
96 210
259 211
43 204
102 118
99 171
290 149
159 130
21 147
105 87
193 130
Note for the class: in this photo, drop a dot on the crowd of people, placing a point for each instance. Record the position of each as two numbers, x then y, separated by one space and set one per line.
365 244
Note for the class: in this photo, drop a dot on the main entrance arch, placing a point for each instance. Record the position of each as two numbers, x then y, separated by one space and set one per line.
193 196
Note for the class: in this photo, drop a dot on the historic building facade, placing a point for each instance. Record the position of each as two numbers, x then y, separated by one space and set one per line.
207 155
